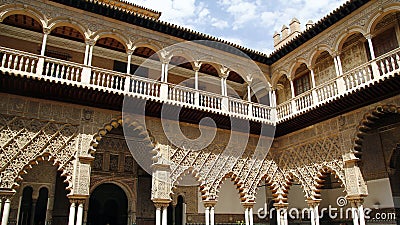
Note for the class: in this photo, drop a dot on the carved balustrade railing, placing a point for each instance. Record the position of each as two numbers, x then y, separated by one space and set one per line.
39 67
362 76
70 73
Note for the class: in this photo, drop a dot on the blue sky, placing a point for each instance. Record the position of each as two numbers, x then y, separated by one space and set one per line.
250 23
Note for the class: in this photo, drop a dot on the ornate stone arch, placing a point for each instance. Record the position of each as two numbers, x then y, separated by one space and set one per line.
296 65
189 171
148 43
128 191
70 22
112 34
277 75
317 52
319 178
368 120
8 10
338 43
237 181
138 128
185 53
374 20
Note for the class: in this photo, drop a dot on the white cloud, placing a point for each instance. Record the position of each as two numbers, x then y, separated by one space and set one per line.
220 24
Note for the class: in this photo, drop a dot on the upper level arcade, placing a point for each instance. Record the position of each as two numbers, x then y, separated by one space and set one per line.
96 55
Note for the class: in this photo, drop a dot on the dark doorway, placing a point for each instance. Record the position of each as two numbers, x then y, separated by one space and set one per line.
26 206
108 205
41 207
179 211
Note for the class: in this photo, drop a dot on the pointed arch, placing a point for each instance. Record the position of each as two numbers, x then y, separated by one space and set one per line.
367 122
138 128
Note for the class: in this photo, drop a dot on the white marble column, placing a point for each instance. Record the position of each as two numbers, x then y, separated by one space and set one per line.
128 66
164 215
361 214
85 59
313 204
292 88
158 215
212 215
223 85
90 57
248 92
72 210
46 32
6 211
207 215
79 215
246 216
251 220
166 72
355 215
371 46
339 64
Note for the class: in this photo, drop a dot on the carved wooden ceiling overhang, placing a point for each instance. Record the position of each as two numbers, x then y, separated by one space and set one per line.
190 35
93 98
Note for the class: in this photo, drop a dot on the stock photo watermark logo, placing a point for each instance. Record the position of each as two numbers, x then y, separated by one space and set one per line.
341 211
195 93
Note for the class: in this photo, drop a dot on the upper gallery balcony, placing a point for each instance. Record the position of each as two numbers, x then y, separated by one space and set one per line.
64 53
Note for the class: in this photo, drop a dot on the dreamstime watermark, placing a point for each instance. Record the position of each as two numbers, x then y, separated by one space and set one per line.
338 212
194 92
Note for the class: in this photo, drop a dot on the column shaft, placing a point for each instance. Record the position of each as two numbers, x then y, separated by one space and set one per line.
246 216
248 93
79 215
292 88
166 73
312 212
6 212
355 215
316 215
251 216
207 215
128 67
196 79
44 42
212 216
312 78
158 216
339 62
371 48
86 54
361 214
90 55
164 215
71 218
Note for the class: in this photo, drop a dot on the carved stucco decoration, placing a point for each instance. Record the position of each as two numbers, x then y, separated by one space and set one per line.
24 142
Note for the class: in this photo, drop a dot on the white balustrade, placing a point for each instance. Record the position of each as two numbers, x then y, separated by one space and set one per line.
261 112
238 106
56 69
33 65
284 110
181 94
13 60
304 101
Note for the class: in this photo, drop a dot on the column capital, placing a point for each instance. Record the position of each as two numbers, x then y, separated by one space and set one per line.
196 65
248 205
223 72
7 194
356 201
130 51
335 53
90 42
78 199
281 205
368 36
313 202
46 30
210 203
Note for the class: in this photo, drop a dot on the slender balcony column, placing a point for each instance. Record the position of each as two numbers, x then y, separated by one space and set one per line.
336 66
79 215
92 43
6 211
293 102
72 210
196 68
87 46
166 72
313 92
339 62
128 66
371 46
46 32
251 220
164 215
